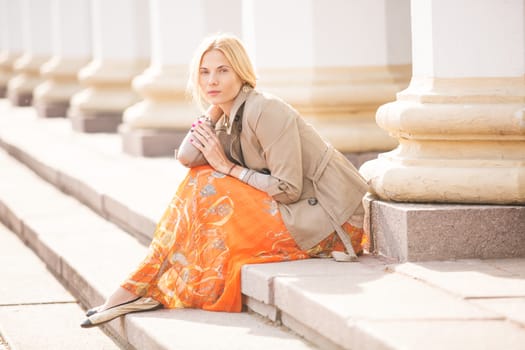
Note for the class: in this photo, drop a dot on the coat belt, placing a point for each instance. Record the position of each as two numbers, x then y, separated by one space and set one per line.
328 155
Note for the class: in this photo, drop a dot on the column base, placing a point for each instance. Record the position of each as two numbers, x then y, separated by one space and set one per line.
151 142
419 232
359 158
354 135
51 109
20 98
95 121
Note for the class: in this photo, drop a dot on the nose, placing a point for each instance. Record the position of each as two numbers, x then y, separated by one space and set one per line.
212 79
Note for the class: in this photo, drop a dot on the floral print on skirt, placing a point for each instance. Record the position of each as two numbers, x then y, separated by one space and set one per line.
213 226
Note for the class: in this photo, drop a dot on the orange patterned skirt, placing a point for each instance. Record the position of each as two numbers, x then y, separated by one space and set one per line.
213 226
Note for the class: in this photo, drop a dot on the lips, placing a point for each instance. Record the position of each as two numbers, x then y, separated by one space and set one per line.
213 92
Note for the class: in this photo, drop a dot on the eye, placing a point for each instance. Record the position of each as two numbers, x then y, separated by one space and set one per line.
203 72
223 70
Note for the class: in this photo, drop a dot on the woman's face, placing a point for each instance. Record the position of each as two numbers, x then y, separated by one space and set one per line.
218 82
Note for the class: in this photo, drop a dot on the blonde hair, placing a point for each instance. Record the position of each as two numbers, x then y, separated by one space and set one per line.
235 53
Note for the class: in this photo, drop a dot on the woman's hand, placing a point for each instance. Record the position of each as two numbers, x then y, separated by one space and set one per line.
205 140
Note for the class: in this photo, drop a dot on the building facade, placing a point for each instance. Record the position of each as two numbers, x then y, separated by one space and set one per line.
441 83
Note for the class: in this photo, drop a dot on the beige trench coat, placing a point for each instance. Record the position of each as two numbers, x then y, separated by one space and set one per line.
316 187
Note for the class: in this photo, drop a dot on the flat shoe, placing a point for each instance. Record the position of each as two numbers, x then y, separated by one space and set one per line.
94 310
136 305
91 311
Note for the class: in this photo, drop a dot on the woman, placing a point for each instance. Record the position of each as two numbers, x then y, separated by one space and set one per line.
263 186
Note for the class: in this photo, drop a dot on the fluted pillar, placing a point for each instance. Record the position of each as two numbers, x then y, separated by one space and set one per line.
336 61
3 45
36 30
120 40
461 130
10 24
71 50
156 125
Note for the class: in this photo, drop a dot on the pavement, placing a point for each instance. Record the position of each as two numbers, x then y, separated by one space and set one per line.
31 297
67 195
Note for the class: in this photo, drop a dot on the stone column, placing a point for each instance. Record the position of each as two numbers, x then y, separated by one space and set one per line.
3 39
36 25
156 125
71 50
10 24
336 61
460 125
120 52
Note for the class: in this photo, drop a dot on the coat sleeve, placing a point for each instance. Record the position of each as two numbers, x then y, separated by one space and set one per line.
277 132
188 155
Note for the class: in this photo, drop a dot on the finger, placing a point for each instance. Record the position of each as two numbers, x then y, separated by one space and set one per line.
200 138
197 134
201 146
198 145
203 126
204 131
198 130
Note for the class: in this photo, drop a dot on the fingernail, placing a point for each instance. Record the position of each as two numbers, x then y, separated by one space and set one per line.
192 130
193 125
191 140
200 122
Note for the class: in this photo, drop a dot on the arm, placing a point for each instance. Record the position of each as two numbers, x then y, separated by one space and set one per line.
188 155
278 134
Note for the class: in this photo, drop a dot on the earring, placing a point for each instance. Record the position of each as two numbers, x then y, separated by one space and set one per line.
246 88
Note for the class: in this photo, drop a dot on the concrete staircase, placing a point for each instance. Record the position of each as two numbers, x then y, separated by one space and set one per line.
89 211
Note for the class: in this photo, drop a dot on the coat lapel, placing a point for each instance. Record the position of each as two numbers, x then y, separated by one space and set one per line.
239 100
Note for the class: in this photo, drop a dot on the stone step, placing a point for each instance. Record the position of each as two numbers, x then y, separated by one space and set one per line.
367 305
89 255
36 311
128 191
